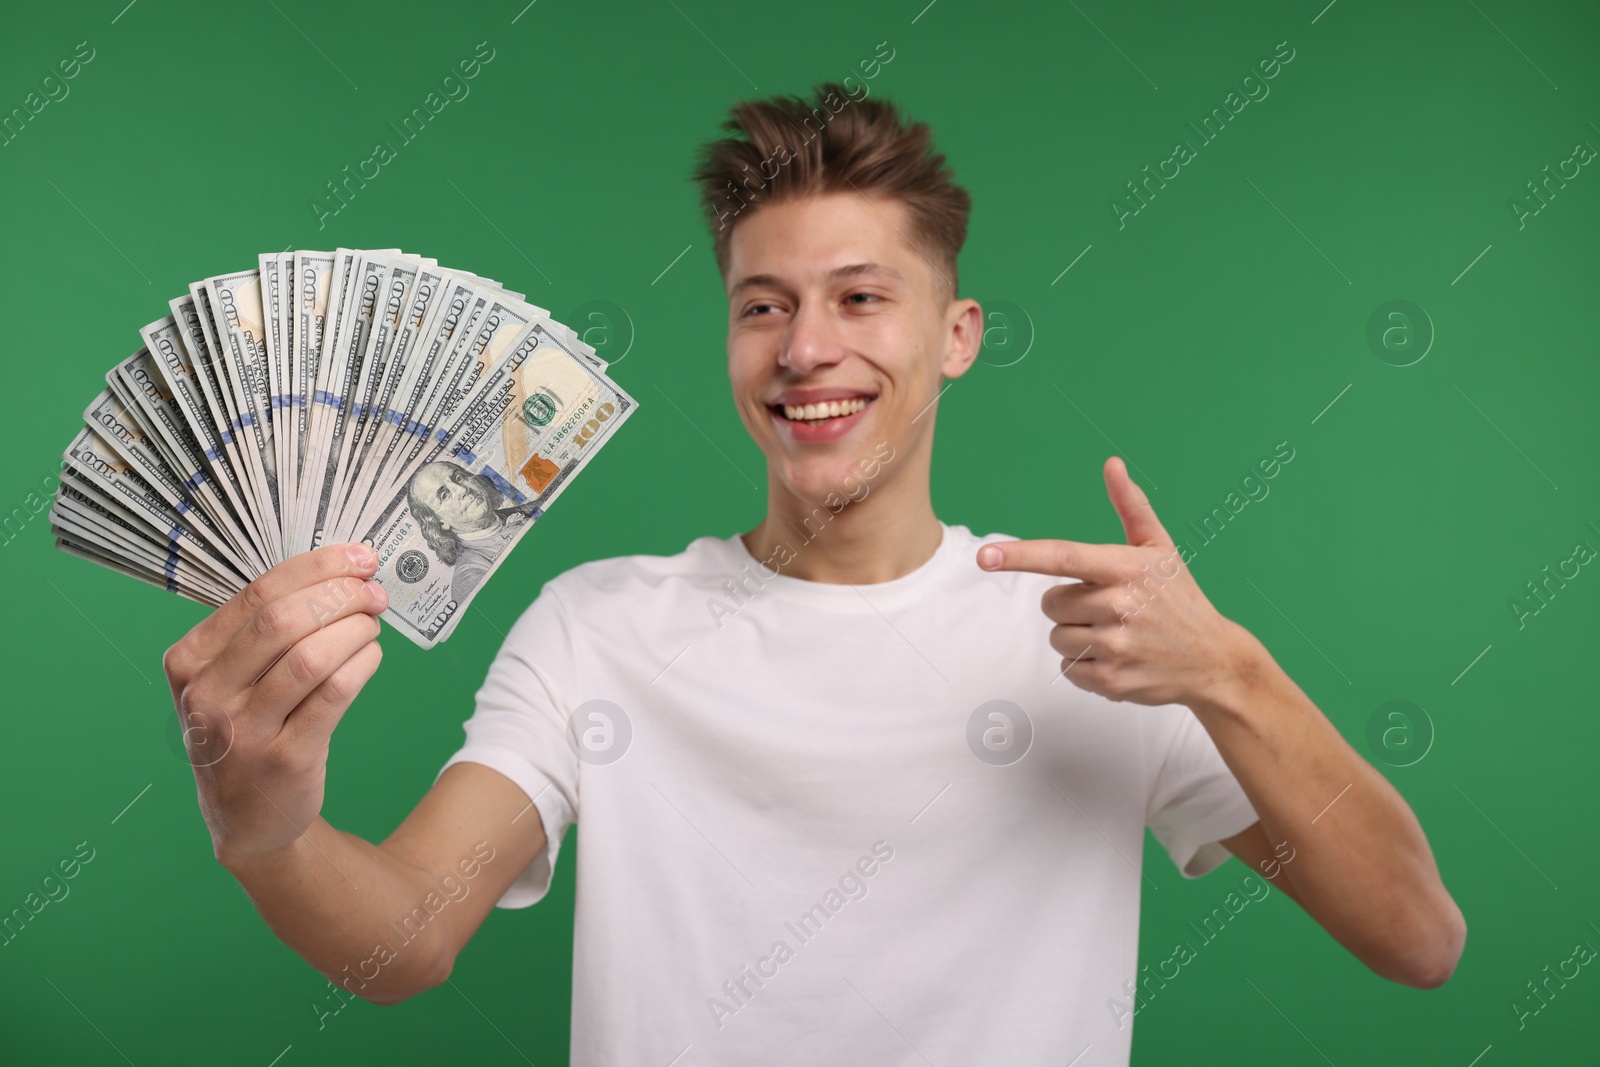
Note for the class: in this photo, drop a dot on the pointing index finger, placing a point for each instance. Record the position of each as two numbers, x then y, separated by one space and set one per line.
1064 559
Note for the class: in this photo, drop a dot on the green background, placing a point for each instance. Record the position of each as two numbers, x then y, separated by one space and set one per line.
1225 317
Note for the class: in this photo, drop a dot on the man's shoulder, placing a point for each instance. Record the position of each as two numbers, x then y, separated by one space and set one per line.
705 558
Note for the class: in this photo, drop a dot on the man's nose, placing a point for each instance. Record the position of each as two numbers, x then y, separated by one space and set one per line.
809 341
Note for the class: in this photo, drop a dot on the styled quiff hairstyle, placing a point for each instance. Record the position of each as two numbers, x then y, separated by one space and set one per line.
788 147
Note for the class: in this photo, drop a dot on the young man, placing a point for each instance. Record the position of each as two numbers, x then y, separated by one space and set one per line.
838 803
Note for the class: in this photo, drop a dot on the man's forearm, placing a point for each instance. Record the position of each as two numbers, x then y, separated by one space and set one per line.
1362 866
356 912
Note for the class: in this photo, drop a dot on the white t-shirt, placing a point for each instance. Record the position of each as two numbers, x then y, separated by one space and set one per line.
793 852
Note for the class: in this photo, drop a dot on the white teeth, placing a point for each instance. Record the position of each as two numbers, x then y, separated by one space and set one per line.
827 409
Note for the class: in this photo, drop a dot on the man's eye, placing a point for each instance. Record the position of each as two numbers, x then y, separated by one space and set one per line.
869 296
754 307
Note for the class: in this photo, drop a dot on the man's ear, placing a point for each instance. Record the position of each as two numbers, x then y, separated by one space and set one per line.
965 325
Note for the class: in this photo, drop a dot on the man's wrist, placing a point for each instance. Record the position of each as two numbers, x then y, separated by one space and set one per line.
243 862
1244 668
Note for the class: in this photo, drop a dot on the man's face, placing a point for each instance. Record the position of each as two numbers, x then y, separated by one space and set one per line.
830 305
458 504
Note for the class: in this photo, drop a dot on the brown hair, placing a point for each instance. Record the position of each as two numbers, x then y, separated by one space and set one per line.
836 142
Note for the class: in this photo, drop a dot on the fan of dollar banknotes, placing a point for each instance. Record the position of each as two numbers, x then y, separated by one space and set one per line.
324 397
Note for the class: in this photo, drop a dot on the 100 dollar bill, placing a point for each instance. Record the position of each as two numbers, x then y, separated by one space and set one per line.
542 413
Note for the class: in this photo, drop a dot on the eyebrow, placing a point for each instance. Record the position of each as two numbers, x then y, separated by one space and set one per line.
852 270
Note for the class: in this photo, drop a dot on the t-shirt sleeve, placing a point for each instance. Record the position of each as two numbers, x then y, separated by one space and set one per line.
1194 800
519 728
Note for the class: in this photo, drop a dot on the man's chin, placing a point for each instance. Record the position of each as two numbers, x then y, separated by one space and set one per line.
820 479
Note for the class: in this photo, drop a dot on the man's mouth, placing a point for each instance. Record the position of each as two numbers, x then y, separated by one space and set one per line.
819 413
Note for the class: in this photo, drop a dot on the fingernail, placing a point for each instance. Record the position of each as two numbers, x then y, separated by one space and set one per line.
379 593
361 556
989 557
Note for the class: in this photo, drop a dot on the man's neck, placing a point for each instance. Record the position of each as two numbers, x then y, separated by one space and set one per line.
886 534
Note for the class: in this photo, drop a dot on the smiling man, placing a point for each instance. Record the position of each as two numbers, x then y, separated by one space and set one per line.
888 804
